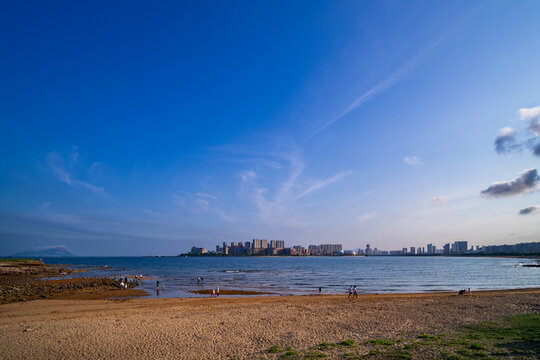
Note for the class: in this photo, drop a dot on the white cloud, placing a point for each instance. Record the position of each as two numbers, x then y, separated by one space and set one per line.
412 160
507 131
533 116
366 216
439 200
529 113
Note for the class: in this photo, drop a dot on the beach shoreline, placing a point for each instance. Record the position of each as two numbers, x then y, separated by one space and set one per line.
237 327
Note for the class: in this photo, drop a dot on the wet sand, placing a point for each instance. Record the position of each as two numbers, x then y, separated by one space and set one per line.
231 292
240 327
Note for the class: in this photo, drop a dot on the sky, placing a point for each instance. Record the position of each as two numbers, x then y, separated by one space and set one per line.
144 128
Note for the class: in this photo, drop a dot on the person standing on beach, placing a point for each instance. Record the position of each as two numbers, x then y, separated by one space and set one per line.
350 291
213 293
320 291
355 292
157 284
217 291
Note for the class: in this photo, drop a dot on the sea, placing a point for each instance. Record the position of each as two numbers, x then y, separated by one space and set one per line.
305 275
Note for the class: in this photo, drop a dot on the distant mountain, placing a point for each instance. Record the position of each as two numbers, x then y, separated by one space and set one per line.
58 251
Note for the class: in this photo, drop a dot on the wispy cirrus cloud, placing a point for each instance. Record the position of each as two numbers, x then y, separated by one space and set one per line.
323 183
365 217
439 200
200 202
413 160
275 192
384 84
57 164
527 181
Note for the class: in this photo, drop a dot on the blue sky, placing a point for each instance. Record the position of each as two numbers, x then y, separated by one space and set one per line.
135 128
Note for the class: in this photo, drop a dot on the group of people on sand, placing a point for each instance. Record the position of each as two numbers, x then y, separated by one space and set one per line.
138 280
124 283
353 292
468 292
214 292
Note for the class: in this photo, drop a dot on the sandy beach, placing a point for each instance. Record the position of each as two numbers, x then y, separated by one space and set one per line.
241 328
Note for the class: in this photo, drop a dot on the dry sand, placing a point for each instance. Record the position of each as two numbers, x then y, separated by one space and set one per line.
241 328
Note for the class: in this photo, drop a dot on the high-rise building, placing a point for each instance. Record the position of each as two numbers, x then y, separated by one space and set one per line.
430 248
277 244
461 247
404 251
413 250
260 244
446 249
325 249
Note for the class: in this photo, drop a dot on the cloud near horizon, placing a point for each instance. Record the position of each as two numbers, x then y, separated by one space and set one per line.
527 181
529 209
366 217
439 200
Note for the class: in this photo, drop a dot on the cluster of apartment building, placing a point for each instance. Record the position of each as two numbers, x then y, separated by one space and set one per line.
460 248
269 247
456 248
277 247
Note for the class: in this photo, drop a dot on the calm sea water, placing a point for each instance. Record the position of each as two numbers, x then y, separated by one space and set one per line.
304 275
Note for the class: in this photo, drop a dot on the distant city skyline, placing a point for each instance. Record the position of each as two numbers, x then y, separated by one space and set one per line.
146 129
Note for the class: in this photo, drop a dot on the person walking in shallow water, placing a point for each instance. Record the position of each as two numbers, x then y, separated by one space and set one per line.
355 292
350 292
